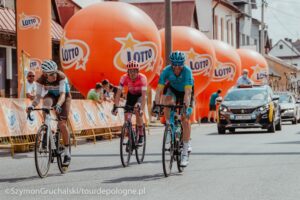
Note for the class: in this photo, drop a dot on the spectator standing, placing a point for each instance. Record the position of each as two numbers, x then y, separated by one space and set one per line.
212 105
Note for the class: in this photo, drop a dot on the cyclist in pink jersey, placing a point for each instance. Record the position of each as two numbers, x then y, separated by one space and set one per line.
136 95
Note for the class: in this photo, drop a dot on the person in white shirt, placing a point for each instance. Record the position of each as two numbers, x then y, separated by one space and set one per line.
244 80
30 88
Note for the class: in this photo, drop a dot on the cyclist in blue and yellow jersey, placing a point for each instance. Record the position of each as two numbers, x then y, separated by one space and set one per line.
176 83
55 84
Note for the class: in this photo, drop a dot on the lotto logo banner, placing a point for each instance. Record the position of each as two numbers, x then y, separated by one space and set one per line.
29 21
200 64
224 72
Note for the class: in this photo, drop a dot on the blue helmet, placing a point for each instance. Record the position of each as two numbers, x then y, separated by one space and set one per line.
177 58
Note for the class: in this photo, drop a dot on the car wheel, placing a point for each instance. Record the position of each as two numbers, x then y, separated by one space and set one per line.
294 121
221 130
232 130
278 126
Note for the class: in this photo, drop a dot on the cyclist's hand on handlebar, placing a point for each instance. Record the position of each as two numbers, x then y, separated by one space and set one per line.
57 109
114 111
29 108
188 111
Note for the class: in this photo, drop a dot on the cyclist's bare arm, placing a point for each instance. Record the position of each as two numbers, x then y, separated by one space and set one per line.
187 96
62 92
158 94
37 99
143 100
118 96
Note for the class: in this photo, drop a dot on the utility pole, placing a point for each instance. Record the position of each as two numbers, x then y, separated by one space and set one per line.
168 30
262 32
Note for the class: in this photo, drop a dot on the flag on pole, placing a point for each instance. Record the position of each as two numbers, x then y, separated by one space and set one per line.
24 69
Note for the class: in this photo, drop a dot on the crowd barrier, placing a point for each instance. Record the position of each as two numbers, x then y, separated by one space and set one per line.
87 119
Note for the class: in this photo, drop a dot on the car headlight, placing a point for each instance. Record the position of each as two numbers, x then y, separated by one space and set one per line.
224 108
264 108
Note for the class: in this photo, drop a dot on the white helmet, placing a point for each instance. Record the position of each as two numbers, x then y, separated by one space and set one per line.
49 66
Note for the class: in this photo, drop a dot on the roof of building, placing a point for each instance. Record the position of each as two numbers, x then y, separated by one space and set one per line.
291 45
182 12
281 62
8 24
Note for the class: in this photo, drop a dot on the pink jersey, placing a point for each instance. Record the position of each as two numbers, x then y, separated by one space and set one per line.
136 86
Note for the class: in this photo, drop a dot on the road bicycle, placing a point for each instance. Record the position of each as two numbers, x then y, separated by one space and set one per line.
48 145
129 139
172 140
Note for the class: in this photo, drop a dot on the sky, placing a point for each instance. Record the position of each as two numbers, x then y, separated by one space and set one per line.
282 18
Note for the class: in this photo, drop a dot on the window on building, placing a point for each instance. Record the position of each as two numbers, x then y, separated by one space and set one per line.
281 46
216 27
248 40
222 29
243 39
232 35
255 42
228 30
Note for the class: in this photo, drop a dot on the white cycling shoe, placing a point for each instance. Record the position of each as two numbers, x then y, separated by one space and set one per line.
189 147
184 160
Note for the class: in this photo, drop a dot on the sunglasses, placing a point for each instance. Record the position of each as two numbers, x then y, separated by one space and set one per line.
132 71
31 76
49 74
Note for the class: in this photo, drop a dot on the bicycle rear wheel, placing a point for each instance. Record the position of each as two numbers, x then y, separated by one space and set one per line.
60 152
167 151
140 150
125 145
42 153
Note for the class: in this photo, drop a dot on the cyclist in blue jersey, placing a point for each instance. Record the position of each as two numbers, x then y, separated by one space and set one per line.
58 94
176 83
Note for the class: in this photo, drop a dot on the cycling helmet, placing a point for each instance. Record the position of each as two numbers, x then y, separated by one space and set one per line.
49 66
133 65
177 58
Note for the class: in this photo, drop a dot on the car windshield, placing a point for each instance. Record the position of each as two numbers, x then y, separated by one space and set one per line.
246 95
285 98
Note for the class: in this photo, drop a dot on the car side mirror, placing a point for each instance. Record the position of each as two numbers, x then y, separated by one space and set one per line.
298 102
219 100
275 98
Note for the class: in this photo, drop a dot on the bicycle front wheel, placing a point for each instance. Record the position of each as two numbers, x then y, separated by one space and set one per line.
140 150
60 153
125 145
167 151
42 152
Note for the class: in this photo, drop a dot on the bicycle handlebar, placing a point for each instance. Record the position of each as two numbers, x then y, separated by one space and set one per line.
46 110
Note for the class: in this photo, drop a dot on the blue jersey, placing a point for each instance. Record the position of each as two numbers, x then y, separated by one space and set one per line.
184 80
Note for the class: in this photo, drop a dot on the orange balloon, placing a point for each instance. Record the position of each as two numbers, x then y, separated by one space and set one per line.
100 39
226 72
153 84
200 56
256 64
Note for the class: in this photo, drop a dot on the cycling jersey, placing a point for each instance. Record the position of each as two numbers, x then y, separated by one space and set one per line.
54 88
134 87
184 80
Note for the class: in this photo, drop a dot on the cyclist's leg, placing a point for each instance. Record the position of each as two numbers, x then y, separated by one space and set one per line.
139 120
169 99
48 102
62 124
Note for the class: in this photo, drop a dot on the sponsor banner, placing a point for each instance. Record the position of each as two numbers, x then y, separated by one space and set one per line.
224 72
84 115
33 21
143 52
3 124
200 64
74 53
259 75
29 21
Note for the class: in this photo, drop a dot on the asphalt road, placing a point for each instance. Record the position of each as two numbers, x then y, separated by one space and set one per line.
241 166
